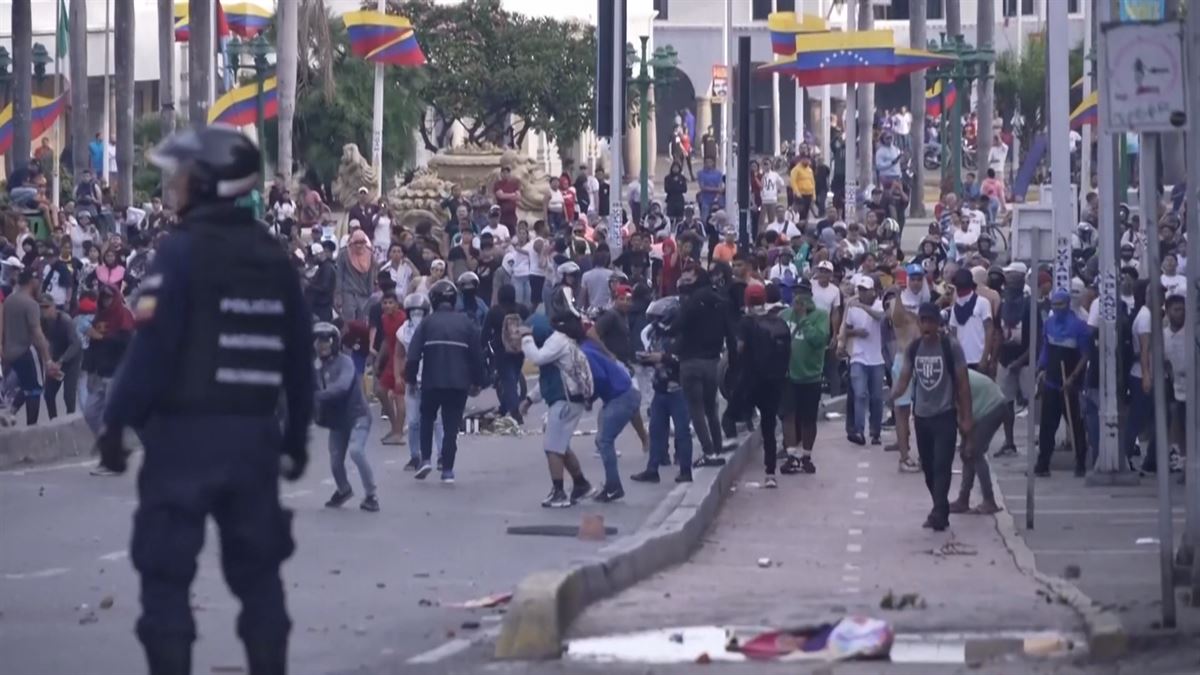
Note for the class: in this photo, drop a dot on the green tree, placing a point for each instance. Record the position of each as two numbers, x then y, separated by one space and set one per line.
1021 87
334 103
487 65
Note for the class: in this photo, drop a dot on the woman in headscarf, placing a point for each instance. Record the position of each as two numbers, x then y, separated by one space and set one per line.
356 272
107 339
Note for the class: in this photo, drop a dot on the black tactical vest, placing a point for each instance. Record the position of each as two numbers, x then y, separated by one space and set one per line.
237 333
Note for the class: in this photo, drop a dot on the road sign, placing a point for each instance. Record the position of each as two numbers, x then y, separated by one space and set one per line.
720 83
1143 10
1145 84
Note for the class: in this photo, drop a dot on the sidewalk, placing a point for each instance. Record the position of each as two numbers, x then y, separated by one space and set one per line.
837 543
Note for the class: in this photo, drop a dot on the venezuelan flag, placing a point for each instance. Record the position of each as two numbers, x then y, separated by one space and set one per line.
247 19
1087 112
182 30
941 96
862 57
45 112
785 26
238 108
383 38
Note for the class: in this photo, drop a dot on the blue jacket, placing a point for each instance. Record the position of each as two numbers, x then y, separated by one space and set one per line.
610 378
1065 340
550 382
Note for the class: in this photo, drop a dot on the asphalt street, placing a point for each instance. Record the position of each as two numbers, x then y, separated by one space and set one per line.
363 588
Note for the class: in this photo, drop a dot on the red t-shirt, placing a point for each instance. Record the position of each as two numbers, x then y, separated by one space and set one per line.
508 207
569 205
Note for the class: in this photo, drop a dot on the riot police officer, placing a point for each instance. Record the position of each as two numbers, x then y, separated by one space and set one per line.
223 335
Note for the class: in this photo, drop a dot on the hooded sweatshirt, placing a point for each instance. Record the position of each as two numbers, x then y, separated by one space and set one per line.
339 396
558 353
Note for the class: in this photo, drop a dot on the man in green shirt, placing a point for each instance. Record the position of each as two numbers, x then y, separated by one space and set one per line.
810 339
988 409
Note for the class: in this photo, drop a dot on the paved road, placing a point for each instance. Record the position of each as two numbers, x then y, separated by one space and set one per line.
354 585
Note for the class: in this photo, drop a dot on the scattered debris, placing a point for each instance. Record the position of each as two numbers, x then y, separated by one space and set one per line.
677 638
423 602
553 530
486 602
1072 572
335 572
41 491
850 638
904 601
764 562
470 625
591 527
704 658
90 617
380 584
953 548
421 575
107 602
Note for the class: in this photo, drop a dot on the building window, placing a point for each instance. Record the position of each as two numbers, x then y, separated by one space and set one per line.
935 9
1027 8
760 9
900 10
1072 6
660 6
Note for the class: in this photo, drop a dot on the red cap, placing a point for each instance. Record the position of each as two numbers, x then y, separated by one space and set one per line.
623 291
756 294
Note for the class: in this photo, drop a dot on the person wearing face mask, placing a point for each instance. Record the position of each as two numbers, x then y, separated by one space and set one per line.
1012 350
469 301
342 408
1062 360
702 329
416 308
971 322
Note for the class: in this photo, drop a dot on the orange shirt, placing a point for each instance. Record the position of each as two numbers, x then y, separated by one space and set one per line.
724 252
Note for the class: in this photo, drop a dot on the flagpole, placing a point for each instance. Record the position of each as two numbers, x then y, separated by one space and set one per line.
377 120
56 179
212 60
107 93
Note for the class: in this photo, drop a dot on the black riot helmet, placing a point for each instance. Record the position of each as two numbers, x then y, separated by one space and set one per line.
216 163
443 293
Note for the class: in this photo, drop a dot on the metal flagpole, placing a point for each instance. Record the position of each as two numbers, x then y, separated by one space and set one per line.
1085 154
1109 466
1191 332
850 131
107 89
777 136
1060 143
616 190
729 168
215 39
377 120
55 180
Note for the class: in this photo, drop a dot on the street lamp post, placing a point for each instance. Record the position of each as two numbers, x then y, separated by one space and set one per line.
969 64
663 63
257 50
5 74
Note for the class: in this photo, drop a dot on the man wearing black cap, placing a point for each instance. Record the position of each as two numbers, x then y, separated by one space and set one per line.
971 322
941 402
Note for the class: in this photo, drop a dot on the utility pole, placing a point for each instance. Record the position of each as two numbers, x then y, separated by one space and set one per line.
866 108
22 91
377 119
616 190
917 10
286 61
200 58
985 30
1085 153
850 133
166 65
1059 81
79 95
106 116
125 79
1192 339
826 113
729 167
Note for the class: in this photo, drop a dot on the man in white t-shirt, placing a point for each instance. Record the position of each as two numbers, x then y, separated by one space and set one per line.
1141 399
861 339
772 186
971 322
902 127
997 156
828 298
1175 352
786 228
499 232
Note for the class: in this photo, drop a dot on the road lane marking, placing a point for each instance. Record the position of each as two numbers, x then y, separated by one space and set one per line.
858 512
46 469
851 567
1096 512
295 493
861 495
850 590
455 646
115 555
1145 550
38 574
853 548
862 479
864 465
850 579
855 532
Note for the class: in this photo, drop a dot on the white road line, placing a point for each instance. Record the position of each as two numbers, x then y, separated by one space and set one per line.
1093 512
1145 550
455 646
850 579
38 574
858 512
851 567
115 555
862 479
864 465
1143 521
854 532
853 548
850 590
295 493
861 495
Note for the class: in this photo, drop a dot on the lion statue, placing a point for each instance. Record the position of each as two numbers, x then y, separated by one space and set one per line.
422 199
354 172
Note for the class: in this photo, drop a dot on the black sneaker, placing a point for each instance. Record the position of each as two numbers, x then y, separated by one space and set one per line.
370 504
557 499
806 464
890 422
424 471
939 525
581 491
790 465
709 460
645 477
610 495
683 478
338 499
875 441
413 465
928 524
856 439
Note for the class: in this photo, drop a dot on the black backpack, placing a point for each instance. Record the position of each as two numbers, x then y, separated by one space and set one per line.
770 347
910 356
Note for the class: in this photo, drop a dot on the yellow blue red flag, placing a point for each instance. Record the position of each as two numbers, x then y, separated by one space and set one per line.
785 26
237 107
1087 111
383 38
862 57
45 112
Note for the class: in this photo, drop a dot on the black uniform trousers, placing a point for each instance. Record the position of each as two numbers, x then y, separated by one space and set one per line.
226 466
451 403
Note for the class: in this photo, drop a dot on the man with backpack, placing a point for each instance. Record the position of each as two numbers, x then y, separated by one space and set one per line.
764 344
941 402
501 333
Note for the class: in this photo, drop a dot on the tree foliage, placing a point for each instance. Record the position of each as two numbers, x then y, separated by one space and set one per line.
1021 87
335 103
487 65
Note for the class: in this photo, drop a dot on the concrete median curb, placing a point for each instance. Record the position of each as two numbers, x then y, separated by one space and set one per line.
61 438
545 603
1106 636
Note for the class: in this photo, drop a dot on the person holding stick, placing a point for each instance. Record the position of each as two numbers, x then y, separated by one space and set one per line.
1062 361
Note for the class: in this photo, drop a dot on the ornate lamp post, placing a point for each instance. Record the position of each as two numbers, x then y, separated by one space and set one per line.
5 74
41 59
970 64
663 63
256 52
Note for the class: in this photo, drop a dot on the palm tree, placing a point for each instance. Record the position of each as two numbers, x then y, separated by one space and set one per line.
985 39
166 64
287 38
916 36
79 94
124 40
22 91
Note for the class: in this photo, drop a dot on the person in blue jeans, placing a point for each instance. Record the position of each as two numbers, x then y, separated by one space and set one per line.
669 406
614 387
861 339
416 307
342 408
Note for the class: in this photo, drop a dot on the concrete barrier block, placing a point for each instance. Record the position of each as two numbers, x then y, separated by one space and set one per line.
54 440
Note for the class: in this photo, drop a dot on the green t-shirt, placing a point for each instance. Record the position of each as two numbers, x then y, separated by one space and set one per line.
986 395
810 339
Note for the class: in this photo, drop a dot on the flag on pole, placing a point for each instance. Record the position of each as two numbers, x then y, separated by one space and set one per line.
238 108
785 26
247 19
182 24
383 38
1087 112
63 31
861 56
45 112
941 96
